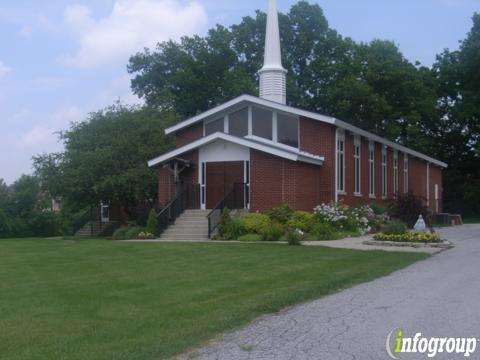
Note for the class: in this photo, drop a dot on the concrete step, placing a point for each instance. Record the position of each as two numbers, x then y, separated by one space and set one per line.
191 225
190 217
184 238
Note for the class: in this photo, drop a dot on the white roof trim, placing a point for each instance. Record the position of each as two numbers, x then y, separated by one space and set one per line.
293 155
248 100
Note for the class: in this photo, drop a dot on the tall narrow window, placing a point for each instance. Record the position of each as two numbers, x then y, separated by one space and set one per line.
405 173
262 123
371 169
357 157
238 123
395 173
341 162
202 185
247 184
384 172
287 130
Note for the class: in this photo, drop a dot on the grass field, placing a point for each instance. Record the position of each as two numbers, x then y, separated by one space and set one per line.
96 299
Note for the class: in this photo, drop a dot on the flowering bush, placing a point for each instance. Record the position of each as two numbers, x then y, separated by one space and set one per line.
362 219
333 213
146 235
410 237
295 237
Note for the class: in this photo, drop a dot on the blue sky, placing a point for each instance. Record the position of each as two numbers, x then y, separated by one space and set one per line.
61 59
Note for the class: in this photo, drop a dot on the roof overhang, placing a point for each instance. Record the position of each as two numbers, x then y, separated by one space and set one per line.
247 100
268 147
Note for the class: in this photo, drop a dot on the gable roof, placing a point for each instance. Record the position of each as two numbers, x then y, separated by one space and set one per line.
245 100
270 148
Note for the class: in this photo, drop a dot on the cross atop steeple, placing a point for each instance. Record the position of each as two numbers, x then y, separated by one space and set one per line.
273 75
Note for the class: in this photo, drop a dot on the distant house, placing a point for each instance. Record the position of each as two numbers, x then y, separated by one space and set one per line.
280 154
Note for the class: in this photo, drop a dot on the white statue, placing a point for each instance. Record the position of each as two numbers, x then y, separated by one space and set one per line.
420 225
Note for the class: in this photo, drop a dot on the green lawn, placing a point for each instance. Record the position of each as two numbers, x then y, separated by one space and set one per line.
105 300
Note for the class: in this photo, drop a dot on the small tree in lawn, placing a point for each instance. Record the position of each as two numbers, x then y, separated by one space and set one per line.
152 222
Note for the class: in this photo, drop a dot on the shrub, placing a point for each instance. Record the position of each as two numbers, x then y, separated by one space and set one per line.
280 214
230 229
295 237
395 227
152 222
120 234
378 209
410 237
250 238
301 220
332 213
273 233
133 232
255 223
323 231
146 235
408 208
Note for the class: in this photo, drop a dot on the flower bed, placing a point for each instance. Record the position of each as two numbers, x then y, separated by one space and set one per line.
331 221
410 237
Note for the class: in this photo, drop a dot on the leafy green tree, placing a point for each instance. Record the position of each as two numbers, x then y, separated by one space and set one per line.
458 126
370 85
105 158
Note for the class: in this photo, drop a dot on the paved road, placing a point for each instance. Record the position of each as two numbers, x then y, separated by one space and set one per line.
438 297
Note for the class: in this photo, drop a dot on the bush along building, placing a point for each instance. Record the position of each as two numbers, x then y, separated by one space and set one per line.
257 152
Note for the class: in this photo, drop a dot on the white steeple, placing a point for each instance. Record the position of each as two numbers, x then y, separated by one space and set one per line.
273 77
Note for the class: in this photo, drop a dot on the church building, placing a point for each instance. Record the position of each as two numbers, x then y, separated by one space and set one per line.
273 153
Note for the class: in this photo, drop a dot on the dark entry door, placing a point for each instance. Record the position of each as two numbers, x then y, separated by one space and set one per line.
220 179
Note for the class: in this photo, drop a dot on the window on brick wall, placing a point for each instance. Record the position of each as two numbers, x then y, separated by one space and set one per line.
287 130
395 173
357 164
384 172
341 162
405 173
371 169
262 123
214 126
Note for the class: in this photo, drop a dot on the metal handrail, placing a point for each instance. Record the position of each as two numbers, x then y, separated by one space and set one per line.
230 201
170 213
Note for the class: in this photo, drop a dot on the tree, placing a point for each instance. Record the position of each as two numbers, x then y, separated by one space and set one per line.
370 85
105 158
458 127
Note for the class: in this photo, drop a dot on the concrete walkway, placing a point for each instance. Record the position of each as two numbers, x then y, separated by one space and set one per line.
438 297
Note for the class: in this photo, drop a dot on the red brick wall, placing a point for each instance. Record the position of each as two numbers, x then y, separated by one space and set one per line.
188 135
319 139
275 181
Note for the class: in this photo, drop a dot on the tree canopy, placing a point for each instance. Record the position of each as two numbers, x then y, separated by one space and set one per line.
105 158
370 85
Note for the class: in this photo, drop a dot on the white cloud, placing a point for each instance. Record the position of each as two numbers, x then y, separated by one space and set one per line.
43 137
4 69
131 26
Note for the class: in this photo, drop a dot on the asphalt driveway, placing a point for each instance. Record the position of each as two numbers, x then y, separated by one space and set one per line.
439 297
